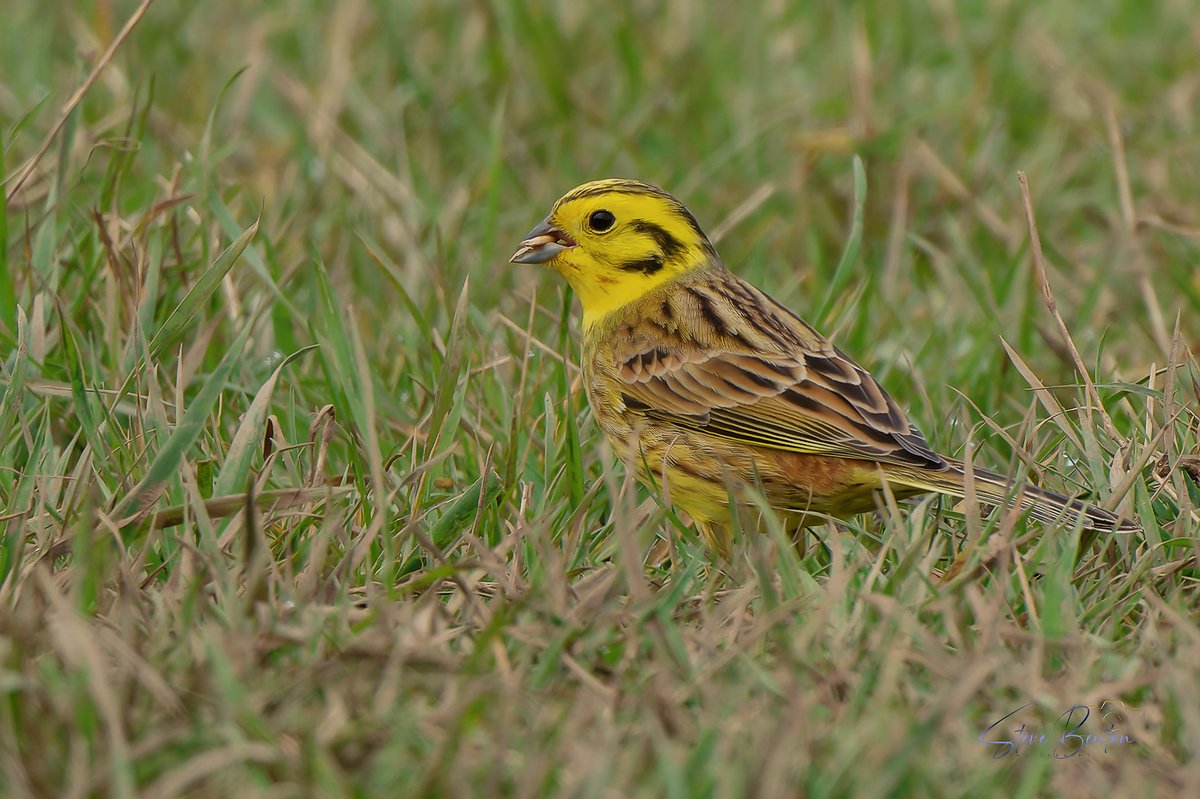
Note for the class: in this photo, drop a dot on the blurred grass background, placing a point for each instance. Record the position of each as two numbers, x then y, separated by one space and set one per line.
297 492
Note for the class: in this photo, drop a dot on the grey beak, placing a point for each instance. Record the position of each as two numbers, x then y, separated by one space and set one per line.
541 244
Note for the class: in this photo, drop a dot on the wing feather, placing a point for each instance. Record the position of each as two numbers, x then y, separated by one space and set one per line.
746 369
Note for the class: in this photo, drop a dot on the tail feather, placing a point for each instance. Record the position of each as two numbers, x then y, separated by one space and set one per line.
996 489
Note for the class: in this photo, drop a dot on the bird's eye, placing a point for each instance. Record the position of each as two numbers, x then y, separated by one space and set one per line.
601 221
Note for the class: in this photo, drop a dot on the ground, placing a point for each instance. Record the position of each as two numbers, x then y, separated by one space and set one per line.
300 495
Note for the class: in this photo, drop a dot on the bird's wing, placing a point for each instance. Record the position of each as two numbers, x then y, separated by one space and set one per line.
750 371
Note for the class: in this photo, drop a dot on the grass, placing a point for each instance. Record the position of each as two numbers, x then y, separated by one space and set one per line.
300 497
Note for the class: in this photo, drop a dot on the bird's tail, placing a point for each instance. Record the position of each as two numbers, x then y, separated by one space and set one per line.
995 489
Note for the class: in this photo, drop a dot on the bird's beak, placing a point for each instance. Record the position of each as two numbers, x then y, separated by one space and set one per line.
541 244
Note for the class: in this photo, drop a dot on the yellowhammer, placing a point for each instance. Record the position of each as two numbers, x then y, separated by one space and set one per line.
706 386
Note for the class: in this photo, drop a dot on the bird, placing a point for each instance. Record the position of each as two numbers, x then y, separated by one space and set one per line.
708 389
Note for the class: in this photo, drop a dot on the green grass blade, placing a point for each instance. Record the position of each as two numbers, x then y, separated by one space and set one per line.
165 465
184 314
465 510
447 383
14 383
248 438
845 267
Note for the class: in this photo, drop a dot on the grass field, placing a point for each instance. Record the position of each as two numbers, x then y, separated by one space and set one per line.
299 494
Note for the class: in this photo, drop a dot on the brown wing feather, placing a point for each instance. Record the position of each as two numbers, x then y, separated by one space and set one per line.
749 370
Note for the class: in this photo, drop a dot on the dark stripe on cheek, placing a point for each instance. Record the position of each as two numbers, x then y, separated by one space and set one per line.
647 266
670 246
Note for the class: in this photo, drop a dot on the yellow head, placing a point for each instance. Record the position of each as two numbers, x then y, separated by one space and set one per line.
615 240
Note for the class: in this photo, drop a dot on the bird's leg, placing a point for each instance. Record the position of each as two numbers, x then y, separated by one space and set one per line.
716 537
800 540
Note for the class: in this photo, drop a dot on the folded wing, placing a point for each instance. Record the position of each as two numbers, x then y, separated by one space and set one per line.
759 375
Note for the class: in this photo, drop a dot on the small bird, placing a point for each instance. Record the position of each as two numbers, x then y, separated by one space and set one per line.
706 386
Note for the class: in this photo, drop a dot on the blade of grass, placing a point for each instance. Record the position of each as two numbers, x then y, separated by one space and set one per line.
166 463
248 437
19 180
843 271
8 295
184 314
448 376
14 388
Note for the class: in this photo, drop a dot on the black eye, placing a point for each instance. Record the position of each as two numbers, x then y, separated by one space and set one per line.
601 221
